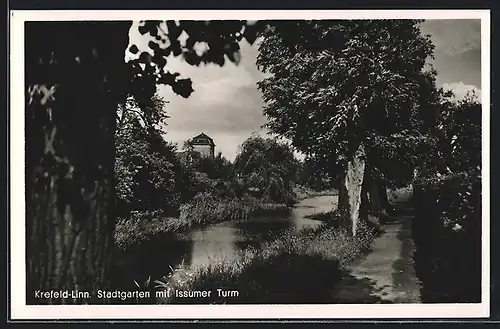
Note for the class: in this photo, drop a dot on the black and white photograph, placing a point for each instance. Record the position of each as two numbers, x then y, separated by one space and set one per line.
334 163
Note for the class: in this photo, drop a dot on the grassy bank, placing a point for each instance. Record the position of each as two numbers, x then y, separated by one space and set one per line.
303 192
207 209
204 209
299 267
331 218
140 226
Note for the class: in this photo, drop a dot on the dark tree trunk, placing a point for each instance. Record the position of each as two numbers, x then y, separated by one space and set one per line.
379 201
73 70
384 200
365 205
343 206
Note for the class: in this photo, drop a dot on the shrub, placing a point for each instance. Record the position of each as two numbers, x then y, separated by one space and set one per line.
210 208
140 226
205 208
304 192
149 174
267 169
447 235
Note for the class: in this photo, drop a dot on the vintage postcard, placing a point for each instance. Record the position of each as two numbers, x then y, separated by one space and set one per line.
249 164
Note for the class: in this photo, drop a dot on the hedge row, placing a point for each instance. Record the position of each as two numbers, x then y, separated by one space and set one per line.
447 235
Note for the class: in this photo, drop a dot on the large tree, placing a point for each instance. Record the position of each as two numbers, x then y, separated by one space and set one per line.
311 174
75 76
341 90
267 166
460 134
149 174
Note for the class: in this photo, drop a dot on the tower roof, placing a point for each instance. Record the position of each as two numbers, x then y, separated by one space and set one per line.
202 139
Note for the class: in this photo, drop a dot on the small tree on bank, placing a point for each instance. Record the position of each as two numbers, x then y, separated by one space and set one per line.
268 167
339 90
149 175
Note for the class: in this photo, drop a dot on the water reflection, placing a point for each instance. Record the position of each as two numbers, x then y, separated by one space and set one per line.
222 241
266 228
212 244
217 242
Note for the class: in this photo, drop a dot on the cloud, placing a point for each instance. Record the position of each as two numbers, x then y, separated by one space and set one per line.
454 36
225 103
460 89
465 67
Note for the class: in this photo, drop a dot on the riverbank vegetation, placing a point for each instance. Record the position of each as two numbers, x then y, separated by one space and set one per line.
206 208
299 267
303 192
161 190
448 225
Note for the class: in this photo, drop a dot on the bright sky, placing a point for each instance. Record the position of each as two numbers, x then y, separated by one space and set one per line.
227 106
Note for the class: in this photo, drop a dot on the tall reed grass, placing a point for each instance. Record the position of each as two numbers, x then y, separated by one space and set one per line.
303 192
140 226
204 209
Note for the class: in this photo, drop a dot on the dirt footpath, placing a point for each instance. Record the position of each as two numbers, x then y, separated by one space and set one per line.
386 274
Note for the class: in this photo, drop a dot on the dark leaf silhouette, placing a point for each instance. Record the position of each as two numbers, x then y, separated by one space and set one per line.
133 49
183 87
250 34
143 29
153 45
192 58
220 37
146 58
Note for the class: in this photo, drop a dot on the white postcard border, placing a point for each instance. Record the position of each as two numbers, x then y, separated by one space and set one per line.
19 309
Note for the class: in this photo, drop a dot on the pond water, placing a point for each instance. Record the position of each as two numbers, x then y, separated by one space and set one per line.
216 242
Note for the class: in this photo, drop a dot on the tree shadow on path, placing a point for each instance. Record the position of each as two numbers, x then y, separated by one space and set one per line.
386 274
356 290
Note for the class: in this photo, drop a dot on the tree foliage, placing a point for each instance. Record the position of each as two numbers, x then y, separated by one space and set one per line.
267 167
159 171
312 175
460 125
217 167
219 38
336 84
448 200
149 175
